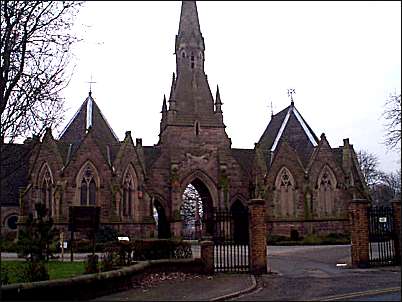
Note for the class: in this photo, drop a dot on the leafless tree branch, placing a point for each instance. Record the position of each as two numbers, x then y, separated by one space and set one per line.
35 54
369 166
392 115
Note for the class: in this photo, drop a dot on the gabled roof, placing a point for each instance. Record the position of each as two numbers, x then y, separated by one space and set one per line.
289 125
88 116
245 158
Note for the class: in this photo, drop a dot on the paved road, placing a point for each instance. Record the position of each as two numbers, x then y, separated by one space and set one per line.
311 273
395 296
297 273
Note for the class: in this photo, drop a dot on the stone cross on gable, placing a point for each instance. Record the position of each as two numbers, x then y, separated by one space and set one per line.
291 92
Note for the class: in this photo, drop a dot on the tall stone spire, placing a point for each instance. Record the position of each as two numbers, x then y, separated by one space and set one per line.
191 103
189 48
193 100
189 27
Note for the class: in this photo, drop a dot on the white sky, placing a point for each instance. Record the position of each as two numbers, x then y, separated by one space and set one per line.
343 59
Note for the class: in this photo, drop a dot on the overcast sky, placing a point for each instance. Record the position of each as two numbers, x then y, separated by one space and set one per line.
342 58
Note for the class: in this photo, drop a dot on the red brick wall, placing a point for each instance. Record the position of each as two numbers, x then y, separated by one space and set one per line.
258 242
359 232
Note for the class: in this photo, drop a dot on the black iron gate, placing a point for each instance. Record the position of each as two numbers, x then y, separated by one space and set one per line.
381 236
231 244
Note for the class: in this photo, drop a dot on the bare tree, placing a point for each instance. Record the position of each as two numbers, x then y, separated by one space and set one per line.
387 189
393 181
392 114
368 163
35 51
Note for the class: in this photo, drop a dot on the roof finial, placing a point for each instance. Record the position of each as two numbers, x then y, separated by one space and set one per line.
90 86
272 110
291 92
218 102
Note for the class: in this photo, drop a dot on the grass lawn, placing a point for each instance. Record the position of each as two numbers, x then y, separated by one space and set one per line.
56 269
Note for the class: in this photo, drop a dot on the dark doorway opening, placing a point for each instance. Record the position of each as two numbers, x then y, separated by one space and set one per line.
163 226
240 222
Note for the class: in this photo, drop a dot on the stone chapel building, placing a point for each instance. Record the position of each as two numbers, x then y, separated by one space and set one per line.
305 183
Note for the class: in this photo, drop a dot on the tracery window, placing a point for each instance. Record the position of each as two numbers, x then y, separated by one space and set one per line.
285 185
128 190
88 187
326 187
46 190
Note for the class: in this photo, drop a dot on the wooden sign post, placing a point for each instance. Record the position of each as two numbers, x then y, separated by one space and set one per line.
83 219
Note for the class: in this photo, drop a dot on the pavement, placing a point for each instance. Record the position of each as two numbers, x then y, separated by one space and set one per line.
296 273
322 273
203 288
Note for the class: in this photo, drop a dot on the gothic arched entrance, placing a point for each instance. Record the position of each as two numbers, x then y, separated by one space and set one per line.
163 226
191 212
240 222
196 210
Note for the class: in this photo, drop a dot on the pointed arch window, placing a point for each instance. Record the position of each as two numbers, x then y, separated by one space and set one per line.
326 191
285 185
128 194
46 190
88 187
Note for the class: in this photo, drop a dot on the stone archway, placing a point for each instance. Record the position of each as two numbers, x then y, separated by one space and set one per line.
240 222
191 212
206 191
163 226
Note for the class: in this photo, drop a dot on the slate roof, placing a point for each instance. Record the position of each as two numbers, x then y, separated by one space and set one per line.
288 125
89 115
151 154
245 158
14 172
88 118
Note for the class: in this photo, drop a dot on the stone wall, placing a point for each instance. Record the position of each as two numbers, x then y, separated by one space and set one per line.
87 287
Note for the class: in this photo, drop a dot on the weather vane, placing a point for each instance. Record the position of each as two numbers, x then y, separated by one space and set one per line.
90 84
291 92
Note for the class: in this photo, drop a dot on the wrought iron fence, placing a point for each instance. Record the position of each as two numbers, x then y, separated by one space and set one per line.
231 245
381 236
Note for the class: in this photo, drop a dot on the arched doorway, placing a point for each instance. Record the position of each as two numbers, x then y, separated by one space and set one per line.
191 212
196 210
240 222
162 224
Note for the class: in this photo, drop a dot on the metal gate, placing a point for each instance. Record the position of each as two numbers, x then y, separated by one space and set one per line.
381 236
231 244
